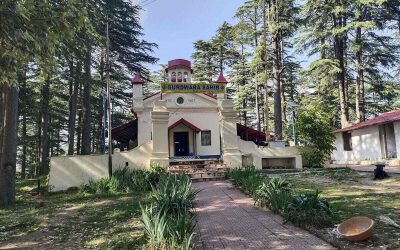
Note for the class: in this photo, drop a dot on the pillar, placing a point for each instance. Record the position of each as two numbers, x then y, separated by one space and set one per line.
159 119
231 154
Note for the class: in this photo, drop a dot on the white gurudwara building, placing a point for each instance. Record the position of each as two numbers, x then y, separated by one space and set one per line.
184 121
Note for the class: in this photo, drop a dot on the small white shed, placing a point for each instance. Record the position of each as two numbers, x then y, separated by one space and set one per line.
367 142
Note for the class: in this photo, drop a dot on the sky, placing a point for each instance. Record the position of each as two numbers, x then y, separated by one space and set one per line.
175 24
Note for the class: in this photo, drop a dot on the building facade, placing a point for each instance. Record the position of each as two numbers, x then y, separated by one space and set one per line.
371 141
193 118
175 126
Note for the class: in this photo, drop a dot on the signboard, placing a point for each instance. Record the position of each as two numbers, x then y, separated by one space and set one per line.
193 88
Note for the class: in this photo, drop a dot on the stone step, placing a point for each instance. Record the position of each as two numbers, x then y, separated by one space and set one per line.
202 172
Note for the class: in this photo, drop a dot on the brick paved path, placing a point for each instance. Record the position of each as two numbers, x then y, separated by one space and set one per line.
227 219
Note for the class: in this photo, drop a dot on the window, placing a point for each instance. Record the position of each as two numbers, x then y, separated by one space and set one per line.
180 77
347 146
173 77
206 138
185 77
180 100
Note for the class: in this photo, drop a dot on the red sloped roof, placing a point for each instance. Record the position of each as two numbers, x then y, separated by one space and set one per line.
249 134
125 132
186 123
381 119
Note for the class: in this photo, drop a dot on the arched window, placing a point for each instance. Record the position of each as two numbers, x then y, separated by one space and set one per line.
173 77
185 77
180 77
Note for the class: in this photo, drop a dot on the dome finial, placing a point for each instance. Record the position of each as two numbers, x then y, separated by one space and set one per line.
221 78
137 79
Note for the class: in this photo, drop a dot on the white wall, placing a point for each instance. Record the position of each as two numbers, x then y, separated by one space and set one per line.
198 109
397 137
258 153
144 128
73 171
365 144
204 121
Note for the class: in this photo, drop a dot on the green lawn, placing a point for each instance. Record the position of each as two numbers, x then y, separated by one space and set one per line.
351 194
74 220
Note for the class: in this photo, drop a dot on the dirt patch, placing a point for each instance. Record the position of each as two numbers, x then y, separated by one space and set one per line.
50 235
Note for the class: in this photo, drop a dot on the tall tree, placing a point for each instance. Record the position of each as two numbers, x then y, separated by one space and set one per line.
25 34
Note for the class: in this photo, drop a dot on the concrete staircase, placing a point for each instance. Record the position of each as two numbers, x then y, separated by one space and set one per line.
200 170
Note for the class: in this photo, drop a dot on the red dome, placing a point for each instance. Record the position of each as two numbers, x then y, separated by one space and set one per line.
179 63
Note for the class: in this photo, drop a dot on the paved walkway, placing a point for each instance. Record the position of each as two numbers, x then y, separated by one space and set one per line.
227 219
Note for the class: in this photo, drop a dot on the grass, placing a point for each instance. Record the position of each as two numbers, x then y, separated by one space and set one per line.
104 221
351 194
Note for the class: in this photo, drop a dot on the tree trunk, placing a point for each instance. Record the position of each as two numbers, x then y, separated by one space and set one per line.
86 105
266 87
244 102
8 144
22 110
257 70
74 86
341 76
24 151
79 126
44 150
359 79
39 144
276 71
283 97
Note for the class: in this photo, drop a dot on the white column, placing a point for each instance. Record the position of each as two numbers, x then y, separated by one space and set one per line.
229 139
160 118
137 98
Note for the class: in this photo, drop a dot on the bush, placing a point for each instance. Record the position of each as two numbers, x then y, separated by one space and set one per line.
247 178
124 180
169 220
155 226
174 194
315 131
309 209
275 194
313 157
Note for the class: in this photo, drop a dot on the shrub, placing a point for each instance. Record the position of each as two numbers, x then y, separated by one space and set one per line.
180 230
309 209
315 131
155 226
173 194
247 178
124 180
275 194
169 220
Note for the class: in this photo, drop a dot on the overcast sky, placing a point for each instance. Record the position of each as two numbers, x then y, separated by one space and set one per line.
175 24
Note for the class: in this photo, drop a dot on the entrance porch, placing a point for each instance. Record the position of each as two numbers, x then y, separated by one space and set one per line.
182 140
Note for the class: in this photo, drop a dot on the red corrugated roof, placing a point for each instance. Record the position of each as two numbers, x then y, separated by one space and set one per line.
249 134
381 119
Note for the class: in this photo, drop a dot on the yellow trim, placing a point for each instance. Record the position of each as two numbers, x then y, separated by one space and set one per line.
193 88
